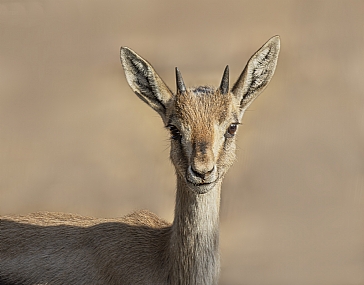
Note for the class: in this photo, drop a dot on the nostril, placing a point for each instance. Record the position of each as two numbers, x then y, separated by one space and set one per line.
197 173
201 173
210 171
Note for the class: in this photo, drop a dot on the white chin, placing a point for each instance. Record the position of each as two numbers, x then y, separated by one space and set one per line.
201 188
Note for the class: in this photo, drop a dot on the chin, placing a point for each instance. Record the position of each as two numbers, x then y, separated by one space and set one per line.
201 189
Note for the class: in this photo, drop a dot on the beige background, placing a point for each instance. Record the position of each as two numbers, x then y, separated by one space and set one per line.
74 138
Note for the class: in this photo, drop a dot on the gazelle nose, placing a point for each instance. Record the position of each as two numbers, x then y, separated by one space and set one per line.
201 173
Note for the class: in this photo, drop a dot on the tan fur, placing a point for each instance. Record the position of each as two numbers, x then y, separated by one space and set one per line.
58 248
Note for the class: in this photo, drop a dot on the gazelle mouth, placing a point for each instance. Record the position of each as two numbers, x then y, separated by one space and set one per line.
201 188
203 179
201 184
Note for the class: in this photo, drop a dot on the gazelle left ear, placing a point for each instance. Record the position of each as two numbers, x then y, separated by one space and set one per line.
257 73
145 82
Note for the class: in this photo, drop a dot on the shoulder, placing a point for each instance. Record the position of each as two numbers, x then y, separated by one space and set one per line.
146 218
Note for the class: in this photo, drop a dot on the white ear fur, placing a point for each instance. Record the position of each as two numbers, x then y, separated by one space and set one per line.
144 81
257 73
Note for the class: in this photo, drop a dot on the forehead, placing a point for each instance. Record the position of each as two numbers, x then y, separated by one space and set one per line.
203 104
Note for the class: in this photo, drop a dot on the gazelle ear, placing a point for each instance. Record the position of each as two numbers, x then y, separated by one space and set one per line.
257 73
144 81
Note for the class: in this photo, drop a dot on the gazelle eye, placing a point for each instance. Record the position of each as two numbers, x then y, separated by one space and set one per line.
175 133
230 132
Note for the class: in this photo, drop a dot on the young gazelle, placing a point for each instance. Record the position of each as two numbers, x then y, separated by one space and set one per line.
55 248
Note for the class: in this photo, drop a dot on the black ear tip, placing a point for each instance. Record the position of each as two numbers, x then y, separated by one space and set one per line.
124 50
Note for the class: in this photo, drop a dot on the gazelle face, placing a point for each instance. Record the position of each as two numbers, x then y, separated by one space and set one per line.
202 121
203 124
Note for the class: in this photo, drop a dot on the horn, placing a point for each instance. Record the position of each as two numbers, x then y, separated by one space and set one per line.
181 88
224 86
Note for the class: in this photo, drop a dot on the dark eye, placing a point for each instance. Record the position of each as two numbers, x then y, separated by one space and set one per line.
231 130
175 133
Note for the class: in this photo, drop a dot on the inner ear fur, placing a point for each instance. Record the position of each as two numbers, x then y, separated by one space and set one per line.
257 73
144 81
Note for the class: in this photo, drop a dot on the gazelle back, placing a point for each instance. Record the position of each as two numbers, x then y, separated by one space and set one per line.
56 248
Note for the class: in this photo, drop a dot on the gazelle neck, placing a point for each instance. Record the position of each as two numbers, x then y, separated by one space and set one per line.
194 240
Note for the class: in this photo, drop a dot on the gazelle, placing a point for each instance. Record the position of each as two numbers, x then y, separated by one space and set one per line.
56 248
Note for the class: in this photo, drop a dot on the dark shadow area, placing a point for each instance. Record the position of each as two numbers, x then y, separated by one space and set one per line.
66 252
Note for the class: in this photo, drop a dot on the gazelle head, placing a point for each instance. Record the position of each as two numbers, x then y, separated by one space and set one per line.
202 121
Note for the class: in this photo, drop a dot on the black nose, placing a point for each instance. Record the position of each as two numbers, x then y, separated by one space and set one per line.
201 174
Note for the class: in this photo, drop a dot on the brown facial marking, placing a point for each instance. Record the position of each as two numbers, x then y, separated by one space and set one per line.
203 115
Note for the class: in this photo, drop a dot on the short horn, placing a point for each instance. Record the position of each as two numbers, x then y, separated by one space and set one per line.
224 86
181 88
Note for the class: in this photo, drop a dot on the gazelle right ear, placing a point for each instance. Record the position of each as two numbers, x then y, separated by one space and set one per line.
257 73
144 81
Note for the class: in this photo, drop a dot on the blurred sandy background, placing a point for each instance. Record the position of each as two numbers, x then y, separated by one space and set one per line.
74 138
